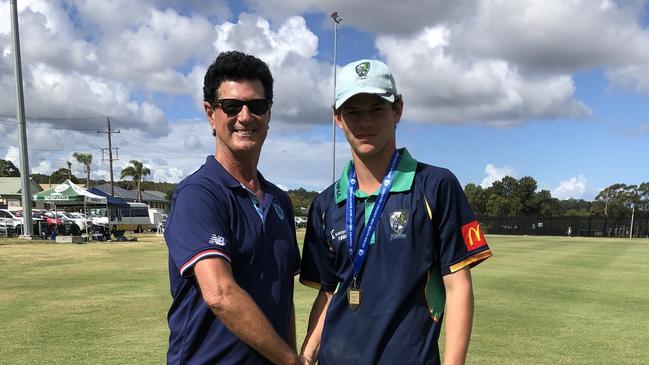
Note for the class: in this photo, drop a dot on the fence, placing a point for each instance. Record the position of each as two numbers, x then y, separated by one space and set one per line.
558 226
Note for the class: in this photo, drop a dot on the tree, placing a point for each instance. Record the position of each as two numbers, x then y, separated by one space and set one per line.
643 194
477 197
137 171
616 200
7 169
525 192
502 198
69 164
301 200
61 174
85 159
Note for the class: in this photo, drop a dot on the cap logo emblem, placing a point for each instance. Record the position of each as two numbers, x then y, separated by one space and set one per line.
362 69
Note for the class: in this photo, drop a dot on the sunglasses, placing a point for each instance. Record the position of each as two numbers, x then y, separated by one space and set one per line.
233 107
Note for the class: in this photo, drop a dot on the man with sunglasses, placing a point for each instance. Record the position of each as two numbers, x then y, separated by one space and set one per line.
389 245
231 236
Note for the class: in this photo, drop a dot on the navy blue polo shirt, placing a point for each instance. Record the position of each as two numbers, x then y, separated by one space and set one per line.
425 231
212 215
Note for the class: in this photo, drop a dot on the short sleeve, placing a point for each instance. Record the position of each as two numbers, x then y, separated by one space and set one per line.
462 242
198 227
318 256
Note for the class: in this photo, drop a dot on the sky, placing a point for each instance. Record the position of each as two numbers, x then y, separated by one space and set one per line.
553 89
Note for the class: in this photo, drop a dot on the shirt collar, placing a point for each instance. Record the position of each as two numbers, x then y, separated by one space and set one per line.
228 180
403 178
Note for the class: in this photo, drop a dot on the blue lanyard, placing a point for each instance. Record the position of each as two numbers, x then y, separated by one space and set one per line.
359 259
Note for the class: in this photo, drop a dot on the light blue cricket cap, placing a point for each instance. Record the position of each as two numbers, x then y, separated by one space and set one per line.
365 77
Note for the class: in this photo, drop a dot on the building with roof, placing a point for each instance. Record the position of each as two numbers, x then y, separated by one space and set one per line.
154 199
11 191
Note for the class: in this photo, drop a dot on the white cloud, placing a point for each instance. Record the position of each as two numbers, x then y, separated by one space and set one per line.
302 84
633 77
13 155
557 36
45 167
63 78
574 188
440 87
151 52
404 16
495 173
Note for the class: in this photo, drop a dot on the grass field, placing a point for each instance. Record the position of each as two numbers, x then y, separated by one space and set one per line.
539 300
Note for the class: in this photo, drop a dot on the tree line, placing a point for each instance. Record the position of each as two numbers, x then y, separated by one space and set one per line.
510 197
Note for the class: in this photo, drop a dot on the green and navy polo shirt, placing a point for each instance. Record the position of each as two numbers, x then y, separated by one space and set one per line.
425 231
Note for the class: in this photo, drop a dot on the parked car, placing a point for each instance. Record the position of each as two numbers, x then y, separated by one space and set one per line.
14 218
300 222
10 219
59 223
77 218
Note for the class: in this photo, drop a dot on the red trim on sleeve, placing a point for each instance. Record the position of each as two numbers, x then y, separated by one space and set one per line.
201 255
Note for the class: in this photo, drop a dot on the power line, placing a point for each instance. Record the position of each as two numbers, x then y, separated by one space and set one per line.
69 119
32 126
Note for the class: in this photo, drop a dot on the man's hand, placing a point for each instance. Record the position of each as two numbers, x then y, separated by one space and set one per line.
239 312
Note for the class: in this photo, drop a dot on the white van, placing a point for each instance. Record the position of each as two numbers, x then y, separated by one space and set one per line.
155 217
134 218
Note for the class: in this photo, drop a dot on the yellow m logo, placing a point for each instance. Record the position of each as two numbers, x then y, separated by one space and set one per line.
474 232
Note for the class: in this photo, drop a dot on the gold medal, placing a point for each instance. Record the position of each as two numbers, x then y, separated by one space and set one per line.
354 295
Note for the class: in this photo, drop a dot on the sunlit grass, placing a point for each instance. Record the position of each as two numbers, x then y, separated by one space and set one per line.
539 300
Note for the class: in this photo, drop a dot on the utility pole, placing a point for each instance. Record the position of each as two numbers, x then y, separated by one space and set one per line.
632 216
110 154
28 229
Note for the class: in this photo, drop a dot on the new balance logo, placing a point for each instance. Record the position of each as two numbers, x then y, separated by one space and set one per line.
216 240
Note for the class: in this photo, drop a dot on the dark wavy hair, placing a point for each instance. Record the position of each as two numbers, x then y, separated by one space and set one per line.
235 65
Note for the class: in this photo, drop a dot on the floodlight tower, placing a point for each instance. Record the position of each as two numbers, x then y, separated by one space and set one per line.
337 19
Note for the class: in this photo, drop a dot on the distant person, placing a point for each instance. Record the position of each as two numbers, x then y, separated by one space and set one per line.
232 248
389 244
569 232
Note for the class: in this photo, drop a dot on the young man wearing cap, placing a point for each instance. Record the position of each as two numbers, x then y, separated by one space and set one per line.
389 245
233 254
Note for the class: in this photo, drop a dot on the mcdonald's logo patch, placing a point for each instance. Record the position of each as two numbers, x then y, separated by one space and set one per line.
473 237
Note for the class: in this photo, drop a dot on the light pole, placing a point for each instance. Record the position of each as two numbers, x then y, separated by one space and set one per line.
22 128
337 19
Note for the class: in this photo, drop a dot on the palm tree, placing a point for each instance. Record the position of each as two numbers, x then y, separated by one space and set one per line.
69 164
85 159
137 172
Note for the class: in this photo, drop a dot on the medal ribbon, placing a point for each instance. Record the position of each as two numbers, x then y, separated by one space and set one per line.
358 260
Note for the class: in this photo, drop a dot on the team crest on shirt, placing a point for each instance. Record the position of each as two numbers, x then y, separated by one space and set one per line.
398 222
278 210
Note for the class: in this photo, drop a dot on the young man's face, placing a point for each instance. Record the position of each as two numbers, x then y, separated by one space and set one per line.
369 122
242 131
